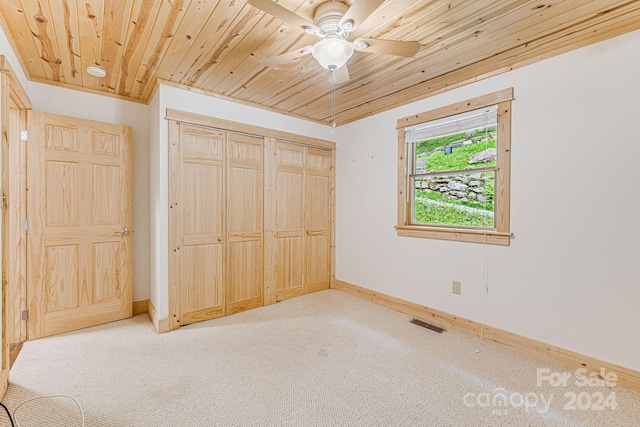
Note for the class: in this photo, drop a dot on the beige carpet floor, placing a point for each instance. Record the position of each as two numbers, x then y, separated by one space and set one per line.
326 359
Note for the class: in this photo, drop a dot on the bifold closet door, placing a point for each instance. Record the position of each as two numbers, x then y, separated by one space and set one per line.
317 219
289 232
303 220
201 205
244 223
250 218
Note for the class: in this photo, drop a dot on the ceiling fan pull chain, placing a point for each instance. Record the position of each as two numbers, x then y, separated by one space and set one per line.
333 100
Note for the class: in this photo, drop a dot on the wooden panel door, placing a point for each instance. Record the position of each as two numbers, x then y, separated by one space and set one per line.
79 217
289 220
244 223
317 219
201 222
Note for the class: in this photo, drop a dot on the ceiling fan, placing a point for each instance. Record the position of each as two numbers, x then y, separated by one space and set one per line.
332 23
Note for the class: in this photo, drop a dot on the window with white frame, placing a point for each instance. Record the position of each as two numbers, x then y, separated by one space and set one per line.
454 171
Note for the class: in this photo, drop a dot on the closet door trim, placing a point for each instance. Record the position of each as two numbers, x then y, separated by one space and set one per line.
228 125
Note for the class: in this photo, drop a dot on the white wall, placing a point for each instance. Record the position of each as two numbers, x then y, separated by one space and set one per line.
571 276
171 97
7 51
53 99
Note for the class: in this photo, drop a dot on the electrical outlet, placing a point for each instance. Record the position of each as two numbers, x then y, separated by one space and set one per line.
456 287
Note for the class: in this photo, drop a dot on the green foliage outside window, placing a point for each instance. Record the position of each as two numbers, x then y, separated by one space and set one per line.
456 199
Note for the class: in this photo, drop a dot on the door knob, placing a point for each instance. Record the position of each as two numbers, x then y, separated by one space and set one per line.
124 232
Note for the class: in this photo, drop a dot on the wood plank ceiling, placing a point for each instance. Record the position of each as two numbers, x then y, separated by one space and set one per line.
216 46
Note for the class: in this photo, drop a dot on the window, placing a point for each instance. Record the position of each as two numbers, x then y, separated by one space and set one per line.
454 171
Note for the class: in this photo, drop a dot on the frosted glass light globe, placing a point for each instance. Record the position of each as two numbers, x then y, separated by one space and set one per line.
332 53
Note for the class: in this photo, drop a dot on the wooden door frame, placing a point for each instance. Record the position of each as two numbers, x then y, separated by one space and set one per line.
12 94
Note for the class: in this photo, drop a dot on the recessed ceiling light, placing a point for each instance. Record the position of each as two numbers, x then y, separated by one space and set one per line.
96 71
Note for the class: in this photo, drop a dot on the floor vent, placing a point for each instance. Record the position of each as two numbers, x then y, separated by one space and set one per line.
427 325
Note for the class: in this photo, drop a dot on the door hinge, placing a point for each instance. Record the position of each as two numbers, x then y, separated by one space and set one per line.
25 314
24 135
25 225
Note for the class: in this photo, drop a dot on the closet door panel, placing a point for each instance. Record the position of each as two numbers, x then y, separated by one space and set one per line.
317 218
289 267
317 268
244 202
289 201
244 223
317 205
202 290
318 160
202 205
245 275
202 232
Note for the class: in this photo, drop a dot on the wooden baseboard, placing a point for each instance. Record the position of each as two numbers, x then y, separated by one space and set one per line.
161 325
4 382
14 351
140 307
627 378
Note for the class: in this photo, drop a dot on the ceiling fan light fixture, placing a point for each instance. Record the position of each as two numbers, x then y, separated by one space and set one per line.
332 53
311 30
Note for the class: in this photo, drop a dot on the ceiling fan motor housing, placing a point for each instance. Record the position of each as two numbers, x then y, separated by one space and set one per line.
327 17
333 50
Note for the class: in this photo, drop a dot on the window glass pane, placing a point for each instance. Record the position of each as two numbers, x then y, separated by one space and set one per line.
465 200
469 149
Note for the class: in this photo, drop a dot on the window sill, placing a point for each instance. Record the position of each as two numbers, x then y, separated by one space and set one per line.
457 234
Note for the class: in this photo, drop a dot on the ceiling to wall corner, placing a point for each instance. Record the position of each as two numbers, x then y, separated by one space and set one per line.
217 47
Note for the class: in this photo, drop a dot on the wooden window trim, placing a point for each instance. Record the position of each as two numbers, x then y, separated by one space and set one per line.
501 234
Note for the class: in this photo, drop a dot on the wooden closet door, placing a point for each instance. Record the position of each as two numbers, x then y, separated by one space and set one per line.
244 223
289 221
317 220
201 208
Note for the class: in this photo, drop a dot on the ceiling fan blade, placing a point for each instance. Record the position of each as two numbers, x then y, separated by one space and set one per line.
282 13
341 75
286 57
389 47
359 11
